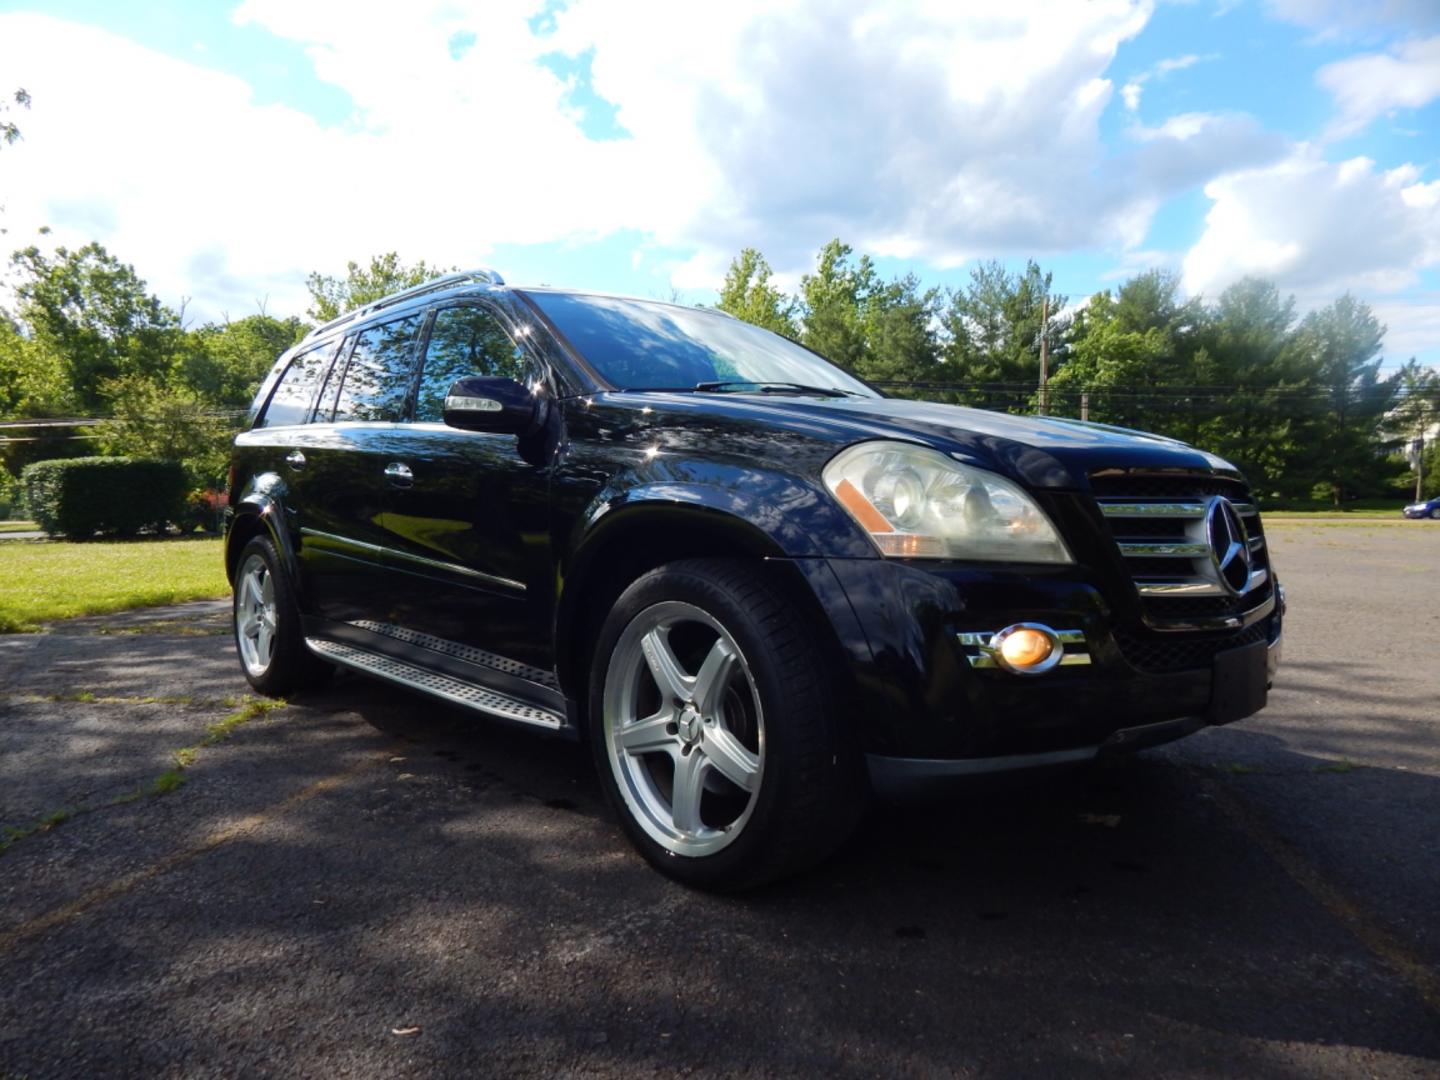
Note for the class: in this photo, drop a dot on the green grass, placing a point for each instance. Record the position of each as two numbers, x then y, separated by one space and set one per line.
18 526
41 582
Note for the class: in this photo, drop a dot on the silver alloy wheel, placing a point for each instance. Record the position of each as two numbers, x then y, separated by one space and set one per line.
255 615
683 728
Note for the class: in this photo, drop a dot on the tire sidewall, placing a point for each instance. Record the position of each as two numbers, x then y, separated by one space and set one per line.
280 675
730 866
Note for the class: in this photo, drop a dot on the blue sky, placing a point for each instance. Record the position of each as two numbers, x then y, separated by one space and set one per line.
228 149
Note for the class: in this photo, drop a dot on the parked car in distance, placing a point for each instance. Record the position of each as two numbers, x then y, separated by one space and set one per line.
1429 508
757 588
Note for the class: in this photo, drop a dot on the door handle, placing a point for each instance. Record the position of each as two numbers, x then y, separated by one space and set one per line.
295 459
399 475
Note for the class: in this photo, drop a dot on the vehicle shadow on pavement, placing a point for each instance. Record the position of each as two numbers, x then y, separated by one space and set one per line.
467 882
1075 922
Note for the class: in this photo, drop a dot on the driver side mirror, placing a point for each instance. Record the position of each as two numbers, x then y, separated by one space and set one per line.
487 403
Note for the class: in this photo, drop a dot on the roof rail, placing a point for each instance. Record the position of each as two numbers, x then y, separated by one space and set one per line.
478 276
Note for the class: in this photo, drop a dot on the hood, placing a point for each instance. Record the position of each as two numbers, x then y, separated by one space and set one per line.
1047 452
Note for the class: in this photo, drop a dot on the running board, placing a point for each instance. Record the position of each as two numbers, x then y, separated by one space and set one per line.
437 685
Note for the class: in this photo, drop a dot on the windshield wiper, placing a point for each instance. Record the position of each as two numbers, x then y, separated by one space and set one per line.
765 386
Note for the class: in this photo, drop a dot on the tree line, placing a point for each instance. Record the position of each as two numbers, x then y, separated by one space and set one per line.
1300 403
86 338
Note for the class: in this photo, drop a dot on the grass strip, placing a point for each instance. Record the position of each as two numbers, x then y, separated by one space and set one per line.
42 582
171 780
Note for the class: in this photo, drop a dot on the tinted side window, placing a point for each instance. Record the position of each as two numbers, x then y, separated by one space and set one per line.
290 403
464 341
377 380
331 392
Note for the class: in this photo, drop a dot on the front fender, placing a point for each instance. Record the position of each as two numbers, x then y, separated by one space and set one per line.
795 519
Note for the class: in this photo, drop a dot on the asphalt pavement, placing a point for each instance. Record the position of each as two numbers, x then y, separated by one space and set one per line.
364 883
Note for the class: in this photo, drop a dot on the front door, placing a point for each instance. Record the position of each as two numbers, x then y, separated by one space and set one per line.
466 513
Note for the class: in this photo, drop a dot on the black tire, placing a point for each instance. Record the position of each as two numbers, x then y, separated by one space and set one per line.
1435 514
807 794
286 665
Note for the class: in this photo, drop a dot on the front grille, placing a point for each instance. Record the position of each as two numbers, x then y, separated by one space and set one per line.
1115 483
1168 528
1162 655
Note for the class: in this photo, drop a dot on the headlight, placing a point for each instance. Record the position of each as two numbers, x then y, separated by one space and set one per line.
917 503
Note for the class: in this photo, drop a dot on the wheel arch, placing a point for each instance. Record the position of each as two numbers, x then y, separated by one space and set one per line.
639 537
259 513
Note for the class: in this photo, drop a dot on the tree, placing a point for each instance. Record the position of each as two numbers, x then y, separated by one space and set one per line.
166 423
1411 426
225 363
993 329
32 379
9 132
332 296
97 318
1141 339
1340 350
747 294
1256 386
832 298
898 321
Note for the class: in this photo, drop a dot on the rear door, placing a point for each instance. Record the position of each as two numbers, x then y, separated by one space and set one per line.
468 520
346 451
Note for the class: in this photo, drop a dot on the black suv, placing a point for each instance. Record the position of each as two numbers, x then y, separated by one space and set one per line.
757 587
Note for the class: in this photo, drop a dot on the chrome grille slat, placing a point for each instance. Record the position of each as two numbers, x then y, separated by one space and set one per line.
1162 529
1152 550
1179 588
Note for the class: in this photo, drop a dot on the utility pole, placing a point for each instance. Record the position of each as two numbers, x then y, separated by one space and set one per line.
1044 356
1085 405
1420 466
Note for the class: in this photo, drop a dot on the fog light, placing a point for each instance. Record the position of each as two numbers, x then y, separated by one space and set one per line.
1027 648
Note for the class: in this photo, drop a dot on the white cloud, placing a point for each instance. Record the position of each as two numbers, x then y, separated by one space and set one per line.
1132 90
1414 325
929 129
1371 85
175 167
1318 228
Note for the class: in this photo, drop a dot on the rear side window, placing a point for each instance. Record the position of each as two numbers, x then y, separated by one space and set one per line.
293 396
377 380
465 341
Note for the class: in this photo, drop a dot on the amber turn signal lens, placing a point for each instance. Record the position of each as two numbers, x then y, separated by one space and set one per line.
1025 648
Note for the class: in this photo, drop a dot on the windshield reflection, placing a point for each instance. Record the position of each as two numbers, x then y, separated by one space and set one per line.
648 345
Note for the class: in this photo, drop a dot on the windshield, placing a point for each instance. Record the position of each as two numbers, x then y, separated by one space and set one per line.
642 345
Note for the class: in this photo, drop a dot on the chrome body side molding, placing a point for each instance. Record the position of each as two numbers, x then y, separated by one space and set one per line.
380 552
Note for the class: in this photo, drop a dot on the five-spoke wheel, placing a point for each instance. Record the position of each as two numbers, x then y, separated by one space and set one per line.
255 614
268 634
714 726
684 728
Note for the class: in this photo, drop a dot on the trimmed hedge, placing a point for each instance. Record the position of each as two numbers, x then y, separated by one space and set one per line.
79 497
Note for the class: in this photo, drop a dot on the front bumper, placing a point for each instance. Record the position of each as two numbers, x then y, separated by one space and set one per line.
928 711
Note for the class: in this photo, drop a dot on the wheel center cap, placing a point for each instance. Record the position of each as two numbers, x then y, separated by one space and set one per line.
689 725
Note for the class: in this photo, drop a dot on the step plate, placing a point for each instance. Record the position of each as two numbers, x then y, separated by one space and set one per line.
429 682
462 652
